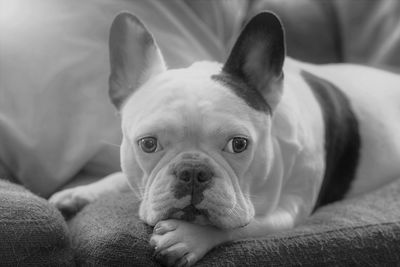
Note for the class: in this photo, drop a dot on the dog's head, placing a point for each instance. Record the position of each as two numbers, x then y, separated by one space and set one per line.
196 140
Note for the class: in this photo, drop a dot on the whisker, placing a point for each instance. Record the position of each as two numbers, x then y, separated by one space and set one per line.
109 143
250 195
254 198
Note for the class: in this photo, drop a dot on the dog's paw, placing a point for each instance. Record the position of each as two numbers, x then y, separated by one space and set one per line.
70 201
180 243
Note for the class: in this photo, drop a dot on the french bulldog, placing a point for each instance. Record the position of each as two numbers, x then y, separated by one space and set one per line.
220 152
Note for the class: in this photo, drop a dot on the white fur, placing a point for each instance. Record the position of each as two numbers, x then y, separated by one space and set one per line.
274 185
185 109
271 186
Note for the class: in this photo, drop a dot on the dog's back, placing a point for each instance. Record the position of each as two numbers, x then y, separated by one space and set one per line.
374 97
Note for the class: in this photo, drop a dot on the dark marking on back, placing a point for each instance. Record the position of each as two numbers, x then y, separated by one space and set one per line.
342 139
251 96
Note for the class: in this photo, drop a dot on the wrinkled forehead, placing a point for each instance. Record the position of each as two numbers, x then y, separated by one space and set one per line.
190 92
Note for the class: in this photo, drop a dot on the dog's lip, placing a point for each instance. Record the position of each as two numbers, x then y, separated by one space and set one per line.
188 213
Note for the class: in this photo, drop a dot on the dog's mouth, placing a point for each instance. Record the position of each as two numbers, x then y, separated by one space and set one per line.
190 213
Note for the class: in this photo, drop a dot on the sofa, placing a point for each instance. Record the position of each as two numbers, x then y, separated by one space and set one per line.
58 128
362 231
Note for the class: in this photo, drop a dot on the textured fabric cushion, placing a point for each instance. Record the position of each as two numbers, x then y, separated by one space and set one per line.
31 231
361 231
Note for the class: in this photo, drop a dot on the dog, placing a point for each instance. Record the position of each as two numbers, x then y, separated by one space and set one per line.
220 152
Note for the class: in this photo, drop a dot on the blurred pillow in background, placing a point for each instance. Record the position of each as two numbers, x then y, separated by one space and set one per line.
55 117
331 31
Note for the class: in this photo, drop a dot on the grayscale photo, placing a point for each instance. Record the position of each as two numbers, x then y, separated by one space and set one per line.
200 133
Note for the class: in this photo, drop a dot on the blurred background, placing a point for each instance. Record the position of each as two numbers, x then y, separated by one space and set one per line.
56 122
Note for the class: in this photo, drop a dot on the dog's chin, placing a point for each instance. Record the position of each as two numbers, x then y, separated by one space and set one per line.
202 217
191 214
197 216
219 208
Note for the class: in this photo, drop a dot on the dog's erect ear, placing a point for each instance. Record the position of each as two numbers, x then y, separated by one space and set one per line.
258 55
134 57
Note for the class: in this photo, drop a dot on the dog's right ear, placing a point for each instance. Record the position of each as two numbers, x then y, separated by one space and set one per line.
257 58
134 57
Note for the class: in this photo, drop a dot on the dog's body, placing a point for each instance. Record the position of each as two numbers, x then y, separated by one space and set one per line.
222 152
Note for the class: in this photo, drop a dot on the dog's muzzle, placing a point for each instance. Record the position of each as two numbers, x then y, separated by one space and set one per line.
192 178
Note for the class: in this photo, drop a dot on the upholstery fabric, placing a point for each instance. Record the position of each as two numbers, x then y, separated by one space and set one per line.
363 231
32 232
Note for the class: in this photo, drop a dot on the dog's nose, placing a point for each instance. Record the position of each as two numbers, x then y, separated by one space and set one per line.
197 173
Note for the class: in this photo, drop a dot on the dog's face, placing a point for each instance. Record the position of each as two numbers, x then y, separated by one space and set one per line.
195 140
190 142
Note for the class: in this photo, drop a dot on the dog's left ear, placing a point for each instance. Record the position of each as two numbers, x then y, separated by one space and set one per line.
134 57
258 55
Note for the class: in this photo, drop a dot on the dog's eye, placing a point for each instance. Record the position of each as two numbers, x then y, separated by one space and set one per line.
236 145
148 144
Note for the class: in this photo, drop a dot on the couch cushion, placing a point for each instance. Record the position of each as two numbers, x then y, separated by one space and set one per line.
360 231
31 231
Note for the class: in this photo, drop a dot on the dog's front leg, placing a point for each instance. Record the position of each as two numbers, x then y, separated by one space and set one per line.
70 201
181 243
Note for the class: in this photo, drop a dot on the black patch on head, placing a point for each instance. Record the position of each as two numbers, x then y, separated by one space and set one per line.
253 68
342 139
251 96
